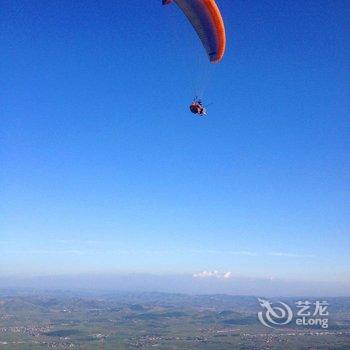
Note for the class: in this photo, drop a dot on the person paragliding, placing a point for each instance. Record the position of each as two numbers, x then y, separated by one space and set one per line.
206 19
197 107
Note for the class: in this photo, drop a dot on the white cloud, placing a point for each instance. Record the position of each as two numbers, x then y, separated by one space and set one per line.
213 274
292 255
227 275
48 252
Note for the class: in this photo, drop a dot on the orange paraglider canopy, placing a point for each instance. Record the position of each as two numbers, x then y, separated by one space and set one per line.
206 19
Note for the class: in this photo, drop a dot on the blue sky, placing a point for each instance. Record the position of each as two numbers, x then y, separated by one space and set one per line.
103 168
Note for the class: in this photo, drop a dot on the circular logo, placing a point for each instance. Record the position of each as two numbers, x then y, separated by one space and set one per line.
274 315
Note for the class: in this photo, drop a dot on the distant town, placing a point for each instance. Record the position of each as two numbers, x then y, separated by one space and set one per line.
65 320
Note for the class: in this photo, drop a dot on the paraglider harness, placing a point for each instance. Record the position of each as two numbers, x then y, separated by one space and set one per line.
197 107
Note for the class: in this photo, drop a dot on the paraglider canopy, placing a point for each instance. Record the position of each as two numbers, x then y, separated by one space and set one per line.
206 19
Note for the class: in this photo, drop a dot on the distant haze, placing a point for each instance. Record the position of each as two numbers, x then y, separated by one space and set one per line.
207 283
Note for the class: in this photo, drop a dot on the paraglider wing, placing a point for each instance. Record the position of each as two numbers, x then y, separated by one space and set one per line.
207 21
